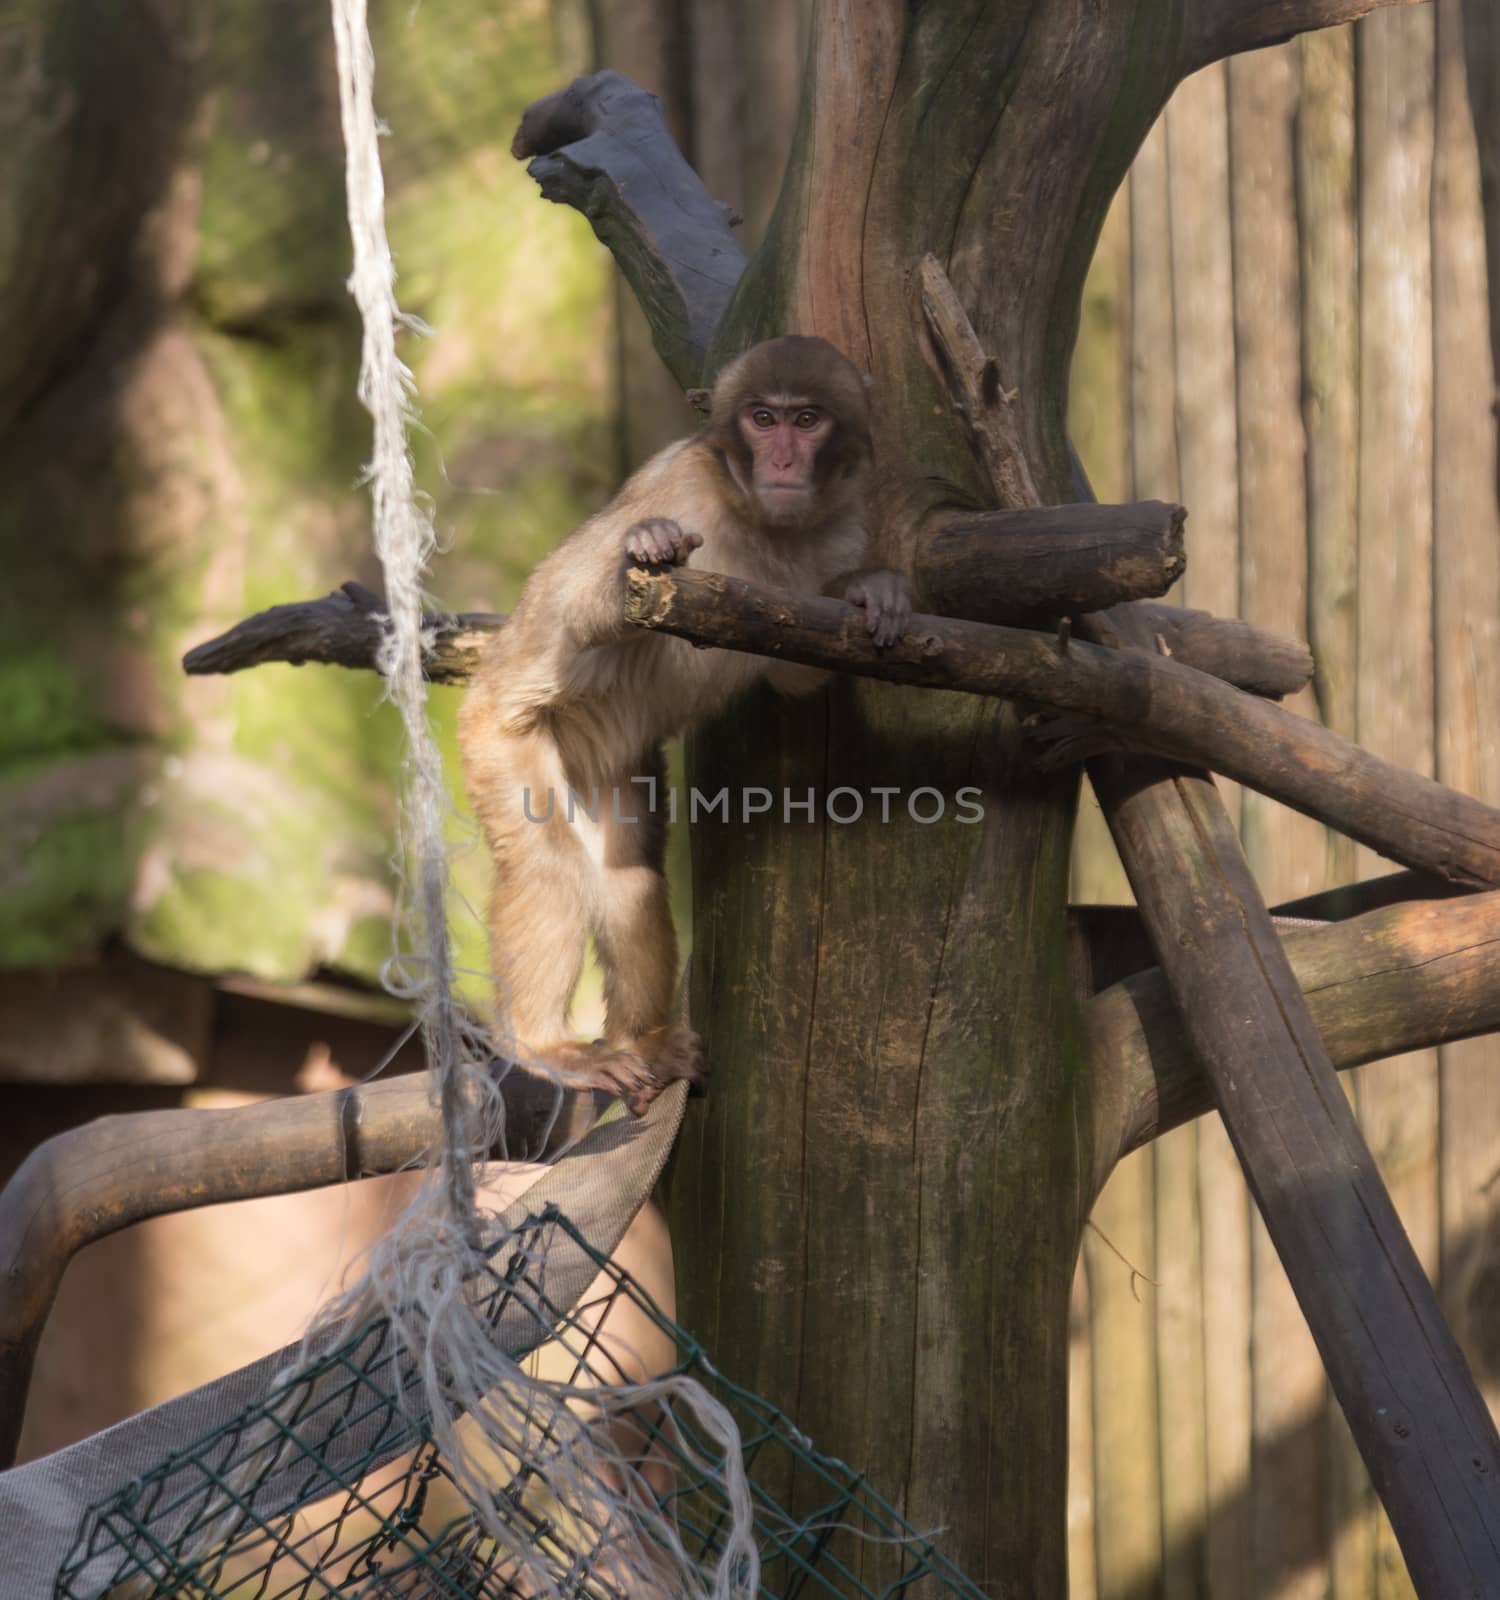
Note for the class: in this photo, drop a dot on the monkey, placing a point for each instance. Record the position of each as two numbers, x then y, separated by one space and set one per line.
569 700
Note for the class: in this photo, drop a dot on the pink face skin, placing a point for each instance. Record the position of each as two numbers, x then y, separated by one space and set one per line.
784 435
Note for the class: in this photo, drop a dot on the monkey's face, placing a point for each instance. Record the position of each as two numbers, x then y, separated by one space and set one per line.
783 435
792 421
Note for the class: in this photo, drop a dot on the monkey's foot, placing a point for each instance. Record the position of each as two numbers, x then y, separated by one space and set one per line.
665 1056
637 1073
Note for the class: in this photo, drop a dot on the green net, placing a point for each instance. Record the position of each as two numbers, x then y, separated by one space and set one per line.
389 1520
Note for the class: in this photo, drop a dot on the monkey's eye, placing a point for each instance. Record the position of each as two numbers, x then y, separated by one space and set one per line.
807 419
763 418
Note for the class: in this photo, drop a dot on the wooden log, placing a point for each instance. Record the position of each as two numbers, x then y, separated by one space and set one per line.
1219 28
105 1175
343 629
1353 899
1422 1428
602 146
1166 707
1026 567
1257 660
1110 942
972 379
1401 978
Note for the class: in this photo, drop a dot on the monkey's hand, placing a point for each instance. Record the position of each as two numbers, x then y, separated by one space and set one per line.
886 600
660 542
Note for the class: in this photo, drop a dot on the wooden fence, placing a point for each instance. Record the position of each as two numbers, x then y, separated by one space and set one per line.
1288 329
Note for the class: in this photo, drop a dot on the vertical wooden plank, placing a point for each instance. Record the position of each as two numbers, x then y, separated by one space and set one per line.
773 35
1197 124
1285 849
1394 54
1127 1514
1182 1395
641 38
1206 424
719 94
1330 378
1224 1207
1153 365
1122 1345
1482 51
1178 1297
1099 379
1330 366
1082 1580
1466 616
1099 424
1288 1502
1326 191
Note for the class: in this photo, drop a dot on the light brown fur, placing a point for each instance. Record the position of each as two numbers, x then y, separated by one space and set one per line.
569 696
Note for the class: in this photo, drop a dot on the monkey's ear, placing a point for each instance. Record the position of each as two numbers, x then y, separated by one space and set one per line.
700 399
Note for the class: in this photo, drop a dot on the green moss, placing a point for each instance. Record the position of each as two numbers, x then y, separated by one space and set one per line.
290 409
47 705
271 234
67 892
206 919
250 872
367 948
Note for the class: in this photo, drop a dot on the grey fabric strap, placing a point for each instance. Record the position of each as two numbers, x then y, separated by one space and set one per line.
599 1186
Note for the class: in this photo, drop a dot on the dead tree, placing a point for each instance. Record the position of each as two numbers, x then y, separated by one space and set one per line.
878 1210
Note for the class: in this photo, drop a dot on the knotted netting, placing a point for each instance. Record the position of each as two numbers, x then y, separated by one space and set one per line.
654 1520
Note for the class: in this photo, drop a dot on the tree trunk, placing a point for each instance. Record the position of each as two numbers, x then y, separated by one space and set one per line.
882 1198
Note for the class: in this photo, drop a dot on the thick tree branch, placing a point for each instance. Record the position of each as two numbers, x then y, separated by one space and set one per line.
1219 28
1032 566
602 146
105 1175
343 629
1403 978
1251 658
1111 943
1152 702
972 378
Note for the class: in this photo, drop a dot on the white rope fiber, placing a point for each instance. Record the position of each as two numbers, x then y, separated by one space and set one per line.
404 542
483 1405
